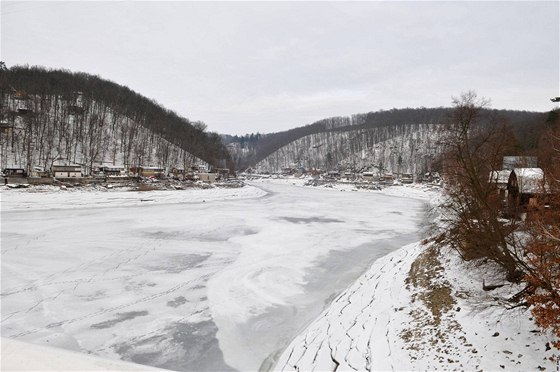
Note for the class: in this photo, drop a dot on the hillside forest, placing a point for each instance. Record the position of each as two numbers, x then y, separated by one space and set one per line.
387 141
49 116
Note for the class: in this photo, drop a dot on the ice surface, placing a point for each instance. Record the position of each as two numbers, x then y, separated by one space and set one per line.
210 281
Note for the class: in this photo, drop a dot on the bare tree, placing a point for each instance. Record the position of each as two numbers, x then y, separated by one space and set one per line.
475 145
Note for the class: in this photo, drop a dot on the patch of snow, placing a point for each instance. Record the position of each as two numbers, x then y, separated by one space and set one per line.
22 356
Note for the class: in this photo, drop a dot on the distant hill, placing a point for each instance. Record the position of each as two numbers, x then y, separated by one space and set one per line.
397 140
48 115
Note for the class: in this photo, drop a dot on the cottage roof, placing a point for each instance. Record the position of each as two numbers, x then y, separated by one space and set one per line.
65 168
512 162
501 176
529 180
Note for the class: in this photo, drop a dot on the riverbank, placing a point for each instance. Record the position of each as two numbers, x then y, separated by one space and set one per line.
422 308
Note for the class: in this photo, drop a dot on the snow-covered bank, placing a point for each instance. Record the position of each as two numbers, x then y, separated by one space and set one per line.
355 332
424 192
421 309
54 198
22 356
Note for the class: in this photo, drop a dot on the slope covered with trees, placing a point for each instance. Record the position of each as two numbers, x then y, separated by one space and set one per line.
398 140
56 114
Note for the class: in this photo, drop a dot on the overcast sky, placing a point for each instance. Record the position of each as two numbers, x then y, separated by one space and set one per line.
245 67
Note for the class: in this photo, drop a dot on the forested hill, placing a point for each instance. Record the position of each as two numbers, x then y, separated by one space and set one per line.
251 150
51 114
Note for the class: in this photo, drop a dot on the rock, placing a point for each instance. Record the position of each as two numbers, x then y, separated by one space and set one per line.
496 334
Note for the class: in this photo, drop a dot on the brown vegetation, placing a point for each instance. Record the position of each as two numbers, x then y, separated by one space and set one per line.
475 146
526 249
543 245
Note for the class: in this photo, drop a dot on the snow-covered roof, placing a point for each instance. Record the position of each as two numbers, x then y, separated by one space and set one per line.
501 176
529 180
512 162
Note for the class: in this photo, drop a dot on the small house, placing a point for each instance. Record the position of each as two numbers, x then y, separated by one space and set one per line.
207 177
387 179
66 171
368 176
14 172
407 178
501 180
147 171
223 172
333 174
200 168
39 172
112 171
524 185
178 173
349 175
153 172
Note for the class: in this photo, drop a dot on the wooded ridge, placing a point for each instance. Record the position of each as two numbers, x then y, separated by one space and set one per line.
340 141
49 115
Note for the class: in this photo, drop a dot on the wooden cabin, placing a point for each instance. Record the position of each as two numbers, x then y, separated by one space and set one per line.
524 185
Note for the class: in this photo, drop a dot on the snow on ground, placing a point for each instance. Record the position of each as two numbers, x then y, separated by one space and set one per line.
424 192
22 356
53 197
421 309
187 280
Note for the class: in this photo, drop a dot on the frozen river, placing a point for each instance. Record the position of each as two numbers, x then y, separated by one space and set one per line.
199 283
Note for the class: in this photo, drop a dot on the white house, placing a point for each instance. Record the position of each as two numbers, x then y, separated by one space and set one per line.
66 171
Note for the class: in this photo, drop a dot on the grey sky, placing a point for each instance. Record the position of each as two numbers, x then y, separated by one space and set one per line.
263 66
